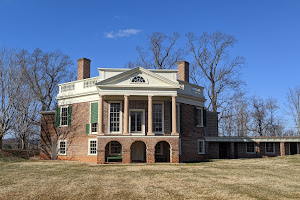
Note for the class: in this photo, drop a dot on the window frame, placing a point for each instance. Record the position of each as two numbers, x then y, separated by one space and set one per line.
58 152
121 118
60 117
90 131
114 154
162 118
143 132
273 152
201 110
203 146
89 148
254 152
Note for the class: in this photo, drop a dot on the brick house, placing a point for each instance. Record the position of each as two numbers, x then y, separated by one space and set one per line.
140 115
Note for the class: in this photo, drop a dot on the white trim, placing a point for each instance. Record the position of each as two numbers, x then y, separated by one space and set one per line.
203 146
273 148
89 148
90 122
58 152
201 110
121 118
143 122
60 113
163 117
247 148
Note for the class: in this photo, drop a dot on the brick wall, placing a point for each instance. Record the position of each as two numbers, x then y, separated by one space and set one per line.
189 136
126 143
211 128
76 138
83 68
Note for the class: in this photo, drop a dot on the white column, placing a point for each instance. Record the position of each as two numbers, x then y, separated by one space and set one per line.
126 110
174 116
150 124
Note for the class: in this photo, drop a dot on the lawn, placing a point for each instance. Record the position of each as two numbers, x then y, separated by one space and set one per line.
263 178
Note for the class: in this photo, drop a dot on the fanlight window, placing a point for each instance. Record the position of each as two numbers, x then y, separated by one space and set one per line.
138 79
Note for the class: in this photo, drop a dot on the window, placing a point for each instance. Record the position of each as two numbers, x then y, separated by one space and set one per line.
64 116
270 147
115 117
137 121
158 118
201 147
250 148
62 150
159 148
115 148
199 116
92 147
94 127
138 79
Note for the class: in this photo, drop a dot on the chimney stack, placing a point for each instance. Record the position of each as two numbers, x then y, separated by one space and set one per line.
83 70
183 71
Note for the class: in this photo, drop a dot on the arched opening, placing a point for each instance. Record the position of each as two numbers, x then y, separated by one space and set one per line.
113 152
138 152
162 152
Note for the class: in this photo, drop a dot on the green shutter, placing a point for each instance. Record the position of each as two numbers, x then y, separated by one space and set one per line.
204 117
87 129
170 116
195 116
181 121
94 112
69 115
57 117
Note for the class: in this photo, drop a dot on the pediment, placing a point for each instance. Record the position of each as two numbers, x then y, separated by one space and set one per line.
138 77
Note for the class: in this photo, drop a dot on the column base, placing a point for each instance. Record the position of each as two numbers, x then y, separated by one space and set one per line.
150 133
174 133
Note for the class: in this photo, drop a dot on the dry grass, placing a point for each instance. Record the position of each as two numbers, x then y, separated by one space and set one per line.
264 178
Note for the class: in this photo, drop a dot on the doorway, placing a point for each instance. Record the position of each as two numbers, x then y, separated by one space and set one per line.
293 148
137 121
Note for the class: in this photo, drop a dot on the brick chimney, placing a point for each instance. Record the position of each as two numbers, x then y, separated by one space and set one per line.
183 71
83 69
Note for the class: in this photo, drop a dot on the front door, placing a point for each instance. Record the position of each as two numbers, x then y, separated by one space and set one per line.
137 122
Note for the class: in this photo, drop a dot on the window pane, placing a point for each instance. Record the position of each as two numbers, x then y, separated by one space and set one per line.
64 116
157 117
115 117
115 147
94 127
93 147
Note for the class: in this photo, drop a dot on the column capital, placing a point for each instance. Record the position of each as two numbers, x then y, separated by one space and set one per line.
126 95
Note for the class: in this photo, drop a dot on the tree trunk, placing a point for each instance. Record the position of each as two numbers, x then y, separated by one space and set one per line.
23 143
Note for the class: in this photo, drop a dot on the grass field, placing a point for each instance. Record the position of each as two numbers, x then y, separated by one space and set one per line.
263 178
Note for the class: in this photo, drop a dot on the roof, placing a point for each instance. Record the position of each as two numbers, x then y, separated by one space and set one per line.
252 139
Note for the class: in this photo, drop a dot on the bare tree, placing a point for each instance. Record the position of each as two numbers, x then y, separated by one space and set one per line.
293 106
44 72
27 116
10 84
161 52
236 116
274 127
212 61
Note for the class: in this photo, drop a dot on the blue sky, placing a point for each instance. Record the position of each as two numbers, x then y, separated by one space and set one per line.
268 32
